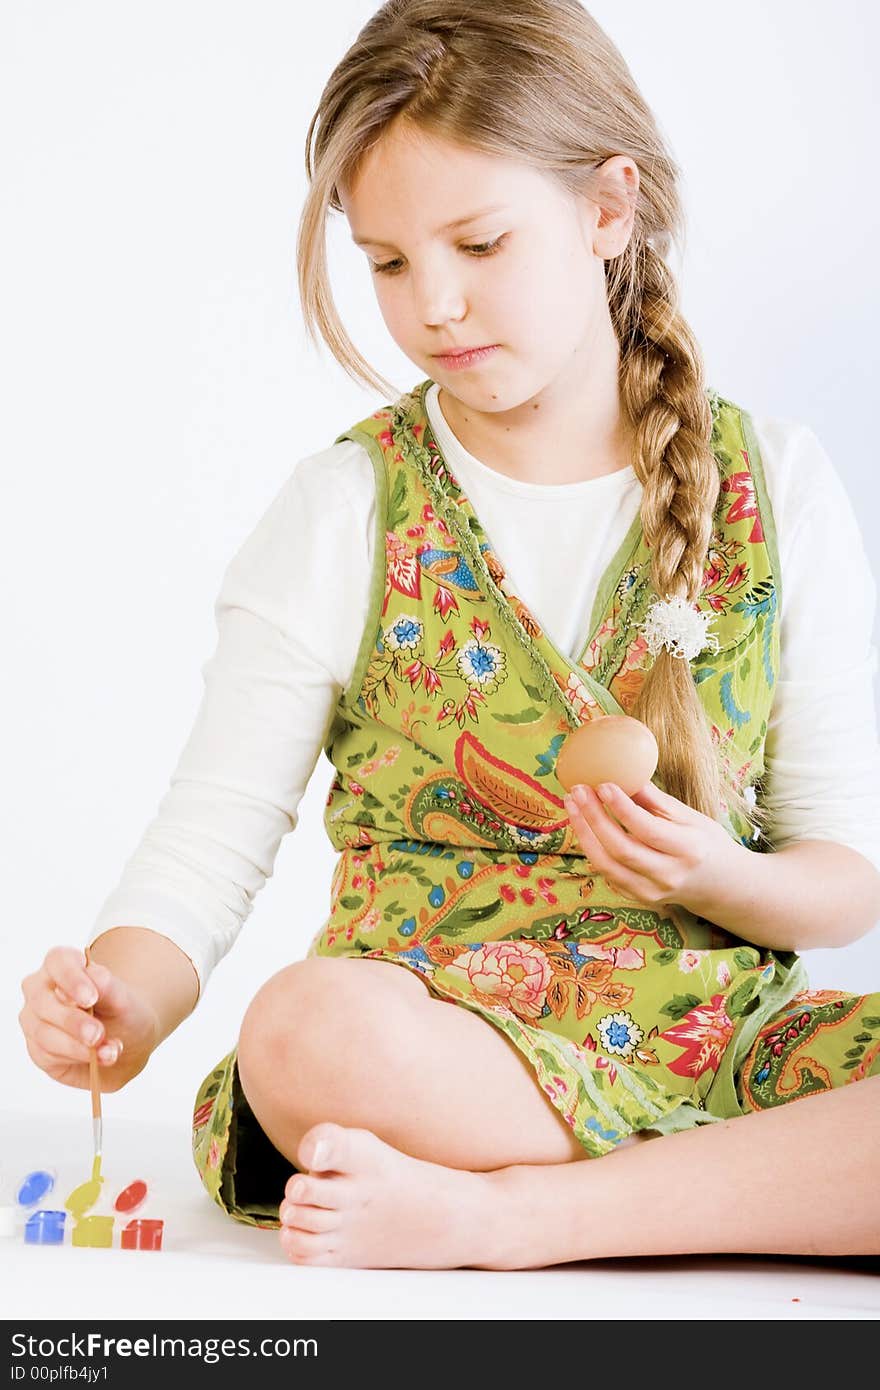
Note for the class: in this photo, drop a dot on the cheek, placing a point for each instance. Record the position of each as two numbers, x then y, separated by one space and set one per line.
518 293
392 307
551 295
572 272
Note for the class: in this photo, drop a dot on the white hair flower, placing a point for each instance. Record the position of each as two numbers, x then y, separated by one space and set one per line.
680 627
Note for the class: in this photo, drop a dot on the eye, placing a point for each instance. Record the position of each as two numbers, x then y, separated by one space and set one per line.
480 249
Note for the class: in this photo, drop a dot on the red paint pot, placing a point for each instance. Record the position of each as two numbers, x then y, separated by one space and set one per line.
142 1235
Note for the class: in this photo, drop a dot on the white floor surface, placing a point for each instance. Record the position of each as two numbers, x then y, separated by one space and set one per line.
211 1267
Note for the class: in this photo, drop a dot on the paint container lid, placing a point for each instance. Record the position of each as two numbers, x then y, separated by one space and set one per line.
35 1187
45 1227
131 1197
142 1235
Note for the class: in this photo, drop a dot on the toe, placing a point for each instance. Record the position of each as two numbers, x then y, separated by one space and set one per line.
322 1148
305 1218
306 1190
331 1148
306 1248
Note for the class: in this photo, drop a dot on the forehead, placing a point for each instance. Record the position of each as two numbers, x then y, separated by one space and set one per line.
411 174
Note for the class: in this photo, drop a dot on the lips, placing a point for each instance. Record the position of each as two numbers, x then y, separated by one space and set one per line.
465 357
461 352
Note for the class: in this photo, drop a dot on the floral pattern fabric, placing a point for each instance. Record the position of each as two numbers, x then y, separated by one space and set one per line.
456 858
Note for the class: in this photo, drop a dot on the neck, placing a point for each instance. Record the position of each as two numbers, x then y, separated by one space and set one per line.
570 431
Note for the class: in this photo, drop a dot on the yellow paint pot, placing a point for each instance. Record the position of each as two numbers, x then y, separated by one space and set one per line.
94 1231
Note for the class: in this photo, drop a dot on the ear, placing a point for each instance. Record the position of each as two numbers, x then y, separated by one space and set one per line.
617 200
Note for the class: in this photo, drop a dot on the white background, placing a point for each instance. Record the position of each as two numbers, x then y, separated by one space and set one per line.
158 389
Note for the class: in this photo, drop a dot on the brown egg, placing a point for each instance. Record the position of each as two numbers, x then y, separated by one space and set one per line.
612 748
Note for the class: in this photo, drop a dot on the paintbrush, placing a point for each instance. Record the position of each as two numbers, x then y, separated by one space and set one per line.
95 1084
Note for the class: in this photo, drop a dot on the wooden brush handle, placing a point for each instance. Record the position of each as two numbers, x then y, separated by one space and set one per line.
94 1077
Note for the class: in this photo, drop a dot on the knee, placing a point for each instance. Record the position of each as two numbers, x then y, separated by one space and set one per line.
322 1021
283 1015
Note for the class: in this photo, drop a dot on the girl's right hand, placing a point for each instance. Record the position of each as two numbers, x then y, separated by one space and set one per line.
56 1021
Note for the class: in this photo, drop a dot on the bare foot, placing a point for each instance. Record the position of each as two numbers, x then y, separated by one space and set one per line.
366 1205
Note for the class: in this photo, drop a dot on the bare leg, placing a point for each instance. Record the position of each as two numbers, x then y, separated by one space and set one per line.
800 1179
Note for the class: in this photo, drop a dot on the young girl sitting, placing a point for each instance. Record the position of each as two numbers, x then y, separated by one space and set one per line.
558 522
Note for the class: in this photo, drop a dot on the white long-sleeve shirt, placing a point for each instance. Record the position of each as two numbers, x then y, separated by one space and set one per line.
291 612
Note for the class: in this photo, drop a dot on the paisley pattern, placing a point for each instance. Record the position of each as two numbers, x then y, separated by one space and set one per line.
456 858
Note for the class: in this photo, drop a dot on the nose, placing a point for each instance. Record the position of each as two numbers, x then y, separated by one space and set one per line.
438 298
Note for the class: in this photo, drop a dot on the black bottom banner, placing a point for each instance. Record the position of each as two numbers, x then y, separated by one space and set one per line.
132 1353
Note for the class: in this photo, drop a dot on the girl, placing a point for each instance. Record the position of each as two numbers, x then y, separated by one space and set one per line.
560 521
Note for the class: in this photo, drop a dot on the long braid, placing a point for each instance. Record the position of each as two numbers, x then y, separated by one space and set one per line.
663 396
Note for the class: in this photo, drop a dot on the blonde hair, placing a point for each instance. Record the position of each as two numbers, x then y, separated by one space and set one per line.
539 81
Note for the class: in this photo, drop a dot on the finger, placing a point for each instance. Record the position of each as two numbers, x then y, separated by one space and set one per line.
54 1043
73 1073
112 992
107 992
597 857
65 966
78 1023
623 849
652 830
631 887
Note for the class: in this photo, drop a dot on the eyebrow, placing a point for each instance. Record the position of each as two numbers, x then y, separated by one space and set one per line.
447 227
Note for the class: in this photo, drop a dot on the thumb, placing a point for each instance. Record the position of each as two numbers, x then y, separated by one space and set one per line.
112 992
661 803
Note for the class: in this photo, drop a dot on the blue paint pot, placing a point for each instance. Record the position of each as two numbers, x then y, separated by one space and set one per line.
45 1227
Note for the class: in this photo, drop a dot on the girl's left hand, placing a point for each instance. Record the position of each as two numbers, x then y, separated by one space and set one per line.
665 852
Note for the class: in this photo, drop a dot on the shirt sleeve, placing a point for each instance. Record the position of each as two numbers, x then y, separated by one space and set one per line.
822 758
289 621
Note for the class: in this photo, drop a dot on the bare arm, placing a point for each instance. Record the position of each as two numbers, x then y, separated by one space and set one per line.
814 893
154 966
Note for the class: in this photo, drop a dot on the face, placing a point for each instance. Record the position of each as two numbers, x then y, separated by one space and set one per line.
526 278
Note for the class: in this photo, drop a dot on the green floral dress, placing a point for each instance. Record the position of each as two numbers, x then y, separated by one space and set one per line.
456 857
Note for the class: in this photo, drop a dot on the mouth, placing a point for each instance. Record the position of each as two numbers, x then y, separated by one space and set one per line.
465 357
